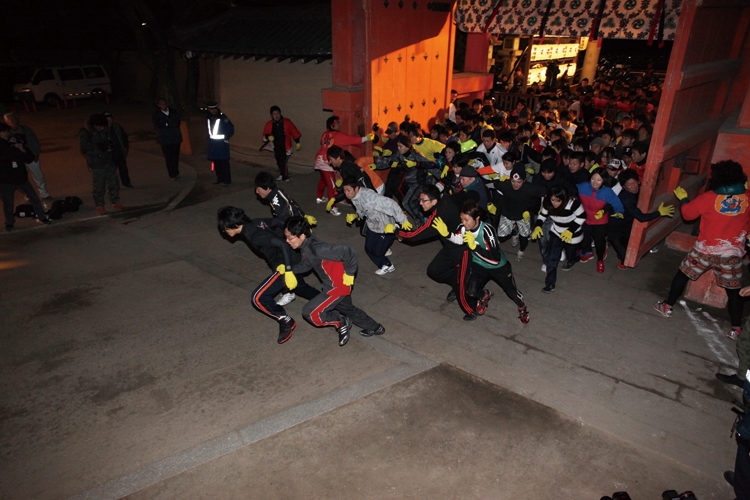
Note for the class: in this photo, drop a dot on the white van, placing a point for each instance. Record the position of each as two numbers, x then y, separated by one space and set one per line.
52 84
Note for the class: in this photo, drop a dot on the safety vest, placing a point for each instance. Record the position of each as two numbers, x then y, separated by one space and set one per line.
214 134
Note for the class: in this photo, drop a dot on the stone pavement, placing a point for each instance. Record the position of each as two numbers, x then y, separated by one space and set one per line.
133 364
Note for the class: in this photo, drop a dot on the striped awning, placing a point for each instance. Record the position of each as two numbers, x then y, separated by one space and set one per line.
629 19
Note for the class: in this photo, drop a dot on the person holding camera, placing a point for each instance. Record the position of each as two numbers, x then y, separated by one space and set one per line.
31 142
13 175
98 144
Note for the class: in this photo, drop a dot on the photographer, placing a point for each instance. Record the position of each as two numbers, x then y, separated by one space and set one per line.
98 143
13 175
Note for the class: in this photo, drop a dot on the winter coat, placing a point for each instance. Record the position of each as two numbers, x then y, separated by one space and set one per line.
220 129
167 126
378 210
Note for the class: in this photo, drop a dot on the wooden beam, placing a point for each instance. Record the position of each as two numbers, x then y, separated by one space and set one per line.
691 137
709 72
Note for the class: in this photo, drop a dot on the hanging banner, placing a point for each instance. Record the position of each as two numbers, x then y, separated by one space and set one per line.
629 19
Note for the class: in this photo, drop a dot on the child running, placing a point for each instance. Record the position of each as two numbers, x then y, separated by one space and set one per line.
488 262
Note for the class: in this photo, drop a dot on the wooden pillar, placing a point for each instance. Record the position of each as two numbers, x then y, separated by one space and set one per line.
591 60
527 65
477 52
346 98
744 121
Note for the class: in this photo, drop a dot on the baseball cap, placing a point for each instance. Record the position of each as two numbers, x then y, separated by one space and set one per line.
468 171
615 164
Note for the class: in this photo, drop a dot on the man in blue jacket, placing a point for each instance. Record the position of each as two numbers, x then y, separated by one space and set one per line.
220 129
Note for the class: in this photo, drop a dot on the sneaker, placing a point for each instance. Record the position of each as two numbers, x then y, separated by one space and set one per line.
280 178
101 211
118 206
482 303
604 257
321 200
343 330
735 333
523 315
548 289
514 241
470 317
622 265
568 265
285 299
654 249
380 330
586 256
520 255
335 211
388 252
385 270
451 296
599 266
544 268
664 309
286 327
562 256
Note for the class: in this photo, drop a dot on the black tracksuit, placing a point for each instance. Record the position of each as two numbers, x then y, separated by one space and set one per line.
451 263
274 251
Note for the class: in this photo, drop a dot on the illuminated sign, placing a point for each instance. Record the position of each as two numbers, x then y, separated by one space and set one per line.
540 74
553 52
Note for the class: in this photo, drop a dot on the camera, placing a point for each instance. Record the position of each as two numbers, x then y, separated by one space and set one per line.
18 139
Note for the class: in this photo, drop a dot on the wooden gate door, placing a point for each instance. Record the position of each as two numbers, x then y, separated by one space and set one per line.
697 99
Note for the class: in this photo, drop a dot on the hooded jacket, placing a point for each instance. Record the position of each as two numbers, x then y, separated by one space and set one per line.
378 209
99 147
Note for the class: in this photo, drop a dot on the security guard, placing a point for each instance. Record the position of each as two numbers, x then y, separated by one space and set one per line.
220 129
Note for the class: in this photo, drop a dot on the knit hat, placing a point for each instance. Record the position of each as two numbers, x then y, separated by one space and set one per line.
519 172
468 171
404 140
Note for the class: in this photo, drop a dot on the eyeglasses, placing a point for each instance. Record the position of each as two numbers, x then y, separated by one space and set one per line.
424 200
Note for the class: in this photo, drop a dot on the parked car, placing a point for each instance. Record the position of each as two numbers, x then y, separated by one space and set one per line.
53 84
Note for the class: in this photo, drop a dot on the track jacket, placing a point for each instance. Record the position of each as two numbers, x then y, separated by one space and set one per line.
329 261
378 209
447 210
282 207
272 247
595 200
487 252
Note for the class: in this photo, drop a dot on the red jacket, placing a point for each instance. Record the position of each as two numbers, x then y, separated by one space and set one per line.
336 138
290 132
725 219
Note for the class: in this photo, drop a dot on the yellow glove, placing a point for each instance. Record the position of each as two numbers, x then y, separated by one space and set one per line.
567 236
406 226
470 241
598 215
298 146
311 220
666 210
680 193
440 226
348 280
290 280
281 269
339 182
526 217
530 171
504 178
446 116
369 137
617 215
492 176
491 208
387 152
394 164
445 171
372 166
270 138
389 229
350 218
411 163
330 204
377 151
537 233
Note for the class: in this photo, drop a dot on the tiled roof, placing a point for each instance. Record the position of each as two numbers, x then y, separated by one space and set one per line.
301 32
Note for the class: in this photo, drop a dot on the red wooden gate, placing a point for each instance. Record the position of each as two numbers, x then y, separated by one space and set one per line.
699 95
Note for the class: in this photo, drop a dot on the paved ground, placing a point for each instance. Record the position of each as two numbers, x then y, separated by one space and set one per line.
133 364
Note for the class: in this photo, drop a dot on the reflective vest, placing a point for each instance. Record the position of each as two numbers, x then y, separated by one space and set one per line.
214 134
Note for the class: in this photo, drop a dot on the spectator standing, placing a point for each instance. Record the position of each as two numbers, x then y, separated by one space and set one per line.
166 121
13 175
278 134
121 152
32 144
98 144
